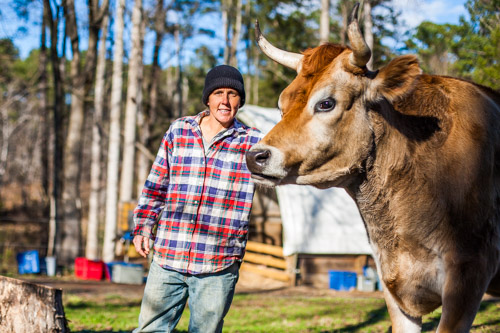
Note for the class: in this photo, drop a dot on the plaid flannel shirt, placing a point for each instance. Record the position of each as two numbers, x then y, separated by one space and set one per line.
199 204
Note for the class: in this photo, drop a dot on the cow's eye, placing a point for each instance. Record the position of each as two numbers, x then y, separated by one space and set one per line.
325 105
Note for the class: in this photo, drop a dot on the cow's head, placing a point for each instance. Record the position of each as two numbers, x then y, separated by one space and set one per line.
326 133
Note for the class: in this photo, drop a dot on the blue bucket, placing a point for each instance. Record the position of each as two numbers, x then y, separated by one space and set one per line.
28 262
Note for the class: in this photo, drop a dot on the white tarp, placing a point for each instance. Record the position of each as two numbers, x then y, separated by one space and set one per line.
314 221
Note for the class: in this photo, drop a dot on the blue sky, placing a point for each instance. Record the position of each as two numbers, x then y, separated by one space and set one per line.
437 11
413 12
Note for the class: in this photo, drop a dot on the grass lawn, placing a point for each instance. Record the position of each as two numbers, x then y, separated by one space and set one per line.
266 314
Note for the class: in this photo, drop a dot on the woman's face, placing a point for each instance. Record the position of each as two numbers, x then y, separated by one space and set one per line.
223 104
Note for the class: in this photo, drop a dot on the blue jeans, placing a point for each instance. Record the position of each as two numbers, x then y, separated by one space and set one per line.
166 294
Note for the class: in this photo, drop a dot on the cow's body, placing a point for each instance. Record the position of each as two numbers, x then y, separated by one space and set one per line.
420 155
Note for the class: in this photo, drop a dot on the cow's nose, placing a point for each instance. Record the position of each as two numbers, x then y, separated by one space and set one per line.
257 159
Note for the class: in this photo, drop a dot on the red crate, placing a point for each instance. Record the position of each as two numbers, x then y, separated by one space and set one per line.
89 269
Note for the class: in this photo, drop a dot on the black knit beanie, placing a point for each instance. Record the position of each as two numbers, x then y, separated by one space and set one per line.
223 76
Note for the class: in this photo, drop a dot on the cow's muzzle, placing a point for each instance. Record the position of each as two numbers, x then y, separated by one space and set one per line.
257 160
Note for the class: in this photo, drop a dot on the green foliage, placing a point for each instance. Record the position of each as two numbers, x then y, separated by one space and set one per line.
300 26
386 25
470 50
9 54
478 50
278 19
432 43
195 74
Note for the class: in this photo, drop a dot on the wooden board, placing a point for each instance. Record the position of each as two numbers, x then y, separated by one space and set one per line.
266 271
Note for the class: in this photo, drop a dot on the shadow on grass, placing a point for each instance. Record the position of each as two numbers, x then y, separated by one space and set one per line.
430 324
110 306
373 317
490 306
111 331
92 331
260 291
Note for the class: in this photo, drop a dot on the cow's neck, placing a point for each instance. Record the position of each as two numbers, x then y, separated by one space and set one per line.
392 188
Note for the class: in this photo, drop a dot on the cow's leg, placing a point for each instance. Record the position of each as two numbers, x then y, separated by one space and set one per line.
462 294
401 322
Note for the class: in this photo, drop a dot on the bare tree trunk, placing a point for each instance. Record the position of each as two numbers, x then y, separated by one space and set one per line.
58 119
159 26
4 147
44 104
225 28
255 88
92 246
249 51
140 111
70 246
185 90
345 22
134 85
170 84
324 23
368 33
143 162
233 60
178 75
8 127
114 138
148 116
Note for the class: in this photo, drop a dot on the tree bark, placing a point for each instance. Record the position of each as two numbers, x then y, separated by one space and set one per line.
92 246
28 307
324 23
44 104
345 22
57 119
70 233
233 60
114 138
134 87
368 27
225 28
70 245
249 50
255 88
147 116
178 75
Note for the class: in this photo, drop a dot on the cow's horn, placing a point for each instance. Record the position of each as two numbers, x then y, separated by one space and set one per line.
288 59
361 53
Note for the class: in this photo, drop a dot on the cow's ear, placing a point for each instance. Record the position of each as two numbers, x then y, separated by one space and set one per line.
396 79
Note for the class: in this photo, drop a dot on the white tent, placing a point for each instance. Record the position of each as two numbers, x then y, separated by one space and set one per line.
314 221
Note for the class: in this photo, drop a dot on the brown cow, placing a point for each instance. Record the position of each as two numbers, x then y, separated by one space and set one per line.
420 155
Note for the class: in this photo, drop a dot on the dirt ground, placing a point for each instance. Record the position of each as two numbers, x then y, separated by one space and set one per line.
248 283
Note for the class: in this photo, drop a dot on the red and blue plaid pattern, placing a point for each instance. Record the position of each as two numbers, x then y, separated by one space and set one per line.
202 203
